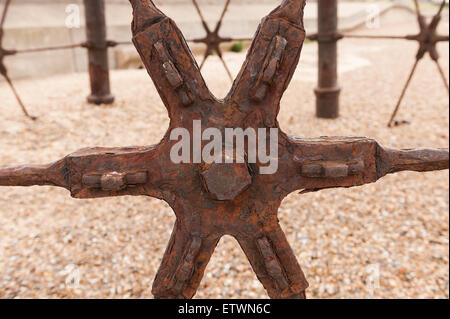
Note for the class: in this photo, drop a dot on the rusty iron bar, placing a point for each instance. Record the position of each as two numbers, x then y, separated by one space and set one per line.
378 37
211 200
112 43
50 48
328 91
213 39
97 52
85 44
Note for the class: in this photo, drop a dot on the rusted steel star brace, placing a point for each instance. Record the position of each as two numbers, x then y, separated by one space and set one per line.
96 45
213 200
3 54
213 40
428 38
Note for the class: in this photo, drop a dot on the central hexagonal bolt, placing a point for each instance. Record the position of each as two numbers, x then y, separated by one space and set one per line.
225 182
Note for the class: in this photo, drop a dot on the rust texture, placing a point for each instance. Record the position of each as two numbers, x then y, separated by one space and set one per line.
328 90
328 35
213 39
97 52
213 200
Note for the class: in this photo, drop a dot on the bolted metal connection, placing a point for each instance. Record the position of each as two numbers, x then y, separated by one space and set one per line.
225 182
114 181
332 169
238 201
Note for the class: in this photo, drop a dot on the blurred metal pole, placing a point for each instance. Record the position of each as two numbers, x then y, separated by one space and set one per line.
97 52
328 90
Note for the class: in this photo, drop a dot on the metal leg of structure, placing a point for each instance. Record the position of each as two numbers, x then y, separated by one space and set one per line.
328 90
97 52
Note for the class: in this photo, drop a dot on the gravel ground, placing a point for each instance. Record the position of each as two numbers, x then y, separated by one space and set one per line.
385 240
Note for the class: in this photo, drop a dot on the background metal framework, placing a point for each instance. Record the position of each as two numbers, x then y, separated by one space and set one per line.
327 91
328 36
213 40
212 199
97 47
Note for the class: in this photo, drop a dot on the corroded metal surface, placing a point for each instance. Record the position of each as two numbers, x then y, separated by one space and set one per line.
211 201
97 52
328 90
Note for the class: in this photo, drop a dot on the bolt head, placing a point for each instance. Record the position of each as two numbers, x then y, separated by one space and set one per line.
113 182
225 182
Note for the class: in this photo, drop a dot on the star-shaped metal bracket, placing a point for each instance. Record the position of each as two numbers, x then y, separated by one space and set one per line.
428 38
211 200
213 39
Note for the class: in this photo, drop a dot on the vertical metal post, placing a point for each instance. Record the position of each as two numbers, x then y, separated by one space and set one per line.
97 52
328 90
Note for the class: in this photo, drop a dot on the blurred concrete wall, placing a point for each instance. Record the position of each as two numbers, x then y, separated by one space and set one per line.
156 1
39 23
